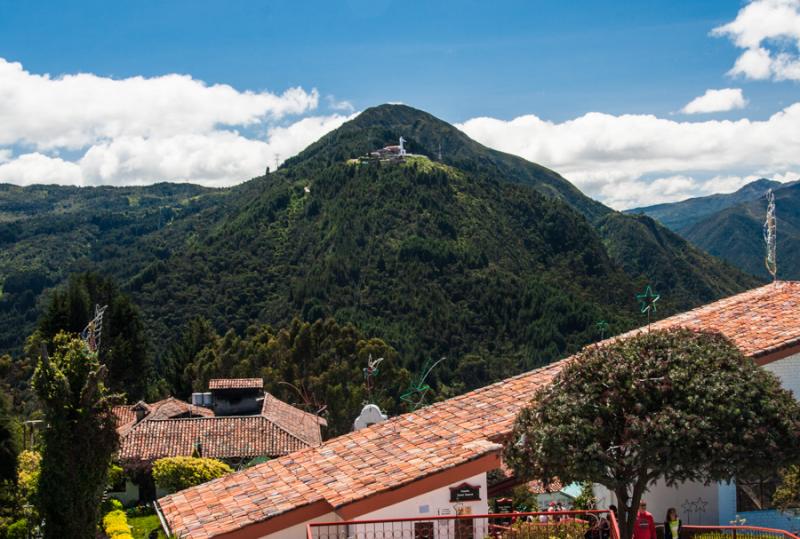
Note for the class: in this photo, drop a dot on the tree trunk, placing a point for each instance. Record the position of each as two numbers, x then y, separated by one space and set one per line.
624 521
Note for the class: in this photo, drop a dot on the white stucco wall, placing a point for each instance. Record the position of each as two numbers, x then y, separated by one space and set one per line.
788 370
431 503
696 503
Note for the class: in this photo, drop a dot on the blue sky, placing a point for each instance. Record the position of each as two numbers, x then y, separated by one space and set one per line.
555 61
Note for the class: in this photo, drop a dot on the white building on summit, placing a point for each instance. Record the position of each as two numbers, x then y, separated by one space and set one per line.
391 152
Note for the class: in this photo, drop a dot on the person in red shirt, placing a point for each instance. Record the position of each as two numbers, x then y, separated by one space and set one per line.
644 527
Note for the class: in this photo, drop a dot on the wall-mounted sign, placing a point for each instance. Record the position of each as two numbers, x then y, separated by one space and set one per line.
465 493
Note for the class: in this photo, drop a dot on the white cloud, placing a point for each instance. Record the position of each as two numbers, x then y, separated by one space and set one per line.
340 105
33 168
142 130
634 160
769 33
74 111
716 101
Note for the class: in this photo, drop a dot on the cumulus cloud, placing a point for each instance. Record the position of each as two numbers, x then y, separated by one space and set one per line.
716 101
141 130
633 160
769 33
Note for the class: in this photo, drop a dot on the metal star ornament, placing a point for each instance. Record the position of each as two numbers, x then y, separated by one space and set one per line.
647 300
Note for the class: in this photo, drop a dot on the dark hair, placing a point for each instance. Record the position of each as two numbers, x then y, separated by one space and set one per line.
669 511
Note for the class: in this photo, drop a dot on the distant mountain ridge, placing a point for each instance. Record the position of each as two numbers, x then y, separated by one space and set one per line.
736 234
483 257
678 216
730 226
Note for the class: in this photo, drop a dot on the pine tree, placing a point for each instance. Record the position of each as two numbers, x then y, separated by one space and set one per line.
79 438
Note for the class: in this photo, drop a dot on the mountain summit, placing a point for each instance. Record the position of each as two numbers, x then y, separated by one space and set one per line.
428 135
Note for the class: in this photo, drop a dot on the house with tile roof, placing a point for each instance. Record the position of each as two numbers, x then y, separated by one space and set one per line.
242 423
407 466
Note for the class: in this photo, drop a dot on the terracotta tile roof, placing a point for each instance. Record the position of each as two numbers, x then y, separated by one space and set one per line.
302 424
236 383
125 416
760 321
221 437
353 466
172 427
408 447
172 408
168 408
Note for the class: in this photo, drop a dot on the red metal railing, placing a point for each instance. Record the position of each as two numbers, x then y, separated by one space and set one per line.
734 532
537 525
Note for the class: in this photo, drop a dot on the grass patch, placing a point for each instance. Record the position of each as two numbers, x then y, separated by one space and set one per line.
142 526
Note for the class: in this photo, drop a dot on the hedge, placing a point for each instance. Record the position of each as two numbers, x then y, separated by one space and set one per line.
116 526
177 473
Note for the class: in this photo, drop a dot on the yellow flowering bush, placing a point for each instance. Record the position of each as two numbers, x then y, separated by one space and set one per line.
115 524
177 473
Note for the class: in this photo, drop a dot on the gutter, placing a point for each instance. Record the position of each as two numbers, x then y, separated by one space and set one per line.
161 519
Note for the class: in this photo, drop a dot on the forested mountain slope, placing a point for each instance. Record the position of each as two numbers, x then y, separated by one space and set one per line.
483 257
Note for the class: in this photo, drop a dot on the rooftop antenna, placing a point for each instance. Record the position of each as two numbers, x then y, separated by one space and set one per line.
94 329
770 237
370 371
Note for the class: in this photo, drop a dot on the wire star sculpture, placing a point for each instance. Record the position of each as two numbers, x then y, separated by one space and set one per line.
419 389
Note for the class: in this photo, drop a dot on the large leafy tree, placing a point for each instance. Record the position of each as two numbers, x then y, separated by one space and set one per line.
677 404
124 348
79 439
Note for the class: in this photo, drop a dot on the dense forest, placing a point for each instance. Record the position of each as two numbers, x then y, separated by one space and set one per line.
497 264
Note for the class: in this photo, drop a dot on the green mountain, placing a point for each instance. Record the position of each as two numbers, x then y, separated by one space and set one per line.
679 216
736 234
481 255
50 231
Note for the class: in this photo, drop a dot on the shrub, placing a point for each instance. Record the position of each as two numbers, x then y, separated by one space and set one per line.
18 530
28 467
116 478
177 473
115 524
110 504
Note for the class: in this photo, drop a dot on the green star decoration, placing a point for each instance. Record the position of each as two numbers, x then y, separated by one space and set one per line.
647 300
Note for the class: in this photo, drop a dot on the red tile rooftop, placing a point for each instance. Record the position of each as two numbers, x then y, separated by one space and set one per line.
764 323
220 437
236 383
172 427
